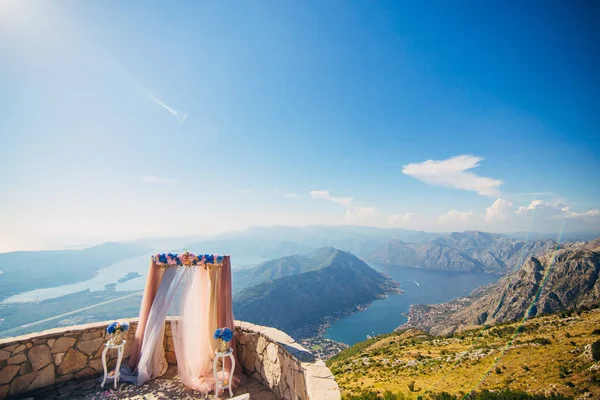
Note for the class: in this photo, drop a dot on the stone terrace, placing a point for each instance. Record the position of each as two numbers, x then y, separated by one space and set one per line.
64 362
166 387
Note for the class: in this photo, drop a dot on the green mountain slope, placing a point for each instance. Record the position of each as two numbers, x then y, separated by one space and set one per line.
326 283
281 267
549 354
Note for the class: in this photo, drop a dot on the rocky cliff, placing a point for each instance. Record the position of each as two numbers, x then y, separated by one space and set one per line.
559 279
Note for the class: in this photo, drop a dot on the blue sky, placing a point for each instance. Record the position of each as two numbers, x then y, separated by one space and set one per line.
122 120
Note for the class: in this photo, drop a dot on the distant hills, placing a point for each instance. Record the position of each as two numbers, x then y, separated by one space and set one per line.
28 270
249 250
299 292
556 280
258 244
461 251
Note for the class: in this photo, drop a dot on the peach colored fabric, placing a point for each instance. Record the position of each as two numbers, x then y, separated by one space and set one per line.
225 313
191 334
153 280
212 326
201 301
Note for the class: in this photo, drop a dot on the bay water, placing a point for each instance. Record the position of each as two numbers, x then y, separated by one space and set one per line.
420 286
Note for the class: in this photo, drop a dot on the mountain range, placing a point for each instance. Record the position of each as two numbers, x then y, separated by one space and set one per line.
28 270
300 292
560 279
461 251
258 244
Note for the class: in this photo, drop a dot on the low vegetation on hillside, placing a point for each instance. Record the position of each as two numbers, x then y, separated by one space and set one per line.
555 356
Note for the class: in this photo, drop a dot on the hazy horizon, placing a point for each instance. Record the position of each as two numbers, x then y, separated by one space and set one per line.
557 236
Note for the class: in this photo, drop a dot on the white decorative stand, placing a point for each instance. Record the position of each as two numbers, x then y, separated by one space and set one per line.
119 347
218 384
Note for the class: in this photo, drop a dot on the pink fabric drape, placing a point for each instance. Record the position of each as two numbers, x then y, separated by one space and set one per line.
152 283
225 313
191 336
202 304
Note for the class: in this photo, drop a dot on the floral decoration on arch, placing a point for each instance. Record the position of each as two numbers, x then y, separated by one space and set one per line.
187 259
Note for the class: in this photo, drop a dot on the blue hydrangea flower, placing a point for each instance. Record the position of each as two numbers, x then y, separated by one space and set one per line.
125 326
217 334
111 328
226 335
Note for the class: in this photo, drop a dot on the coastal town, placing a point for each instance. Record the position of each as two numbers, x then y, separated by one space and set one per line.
323 348
423 317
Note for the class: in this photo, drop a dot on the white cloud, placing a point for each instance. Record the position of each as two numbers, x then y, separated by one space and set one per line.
286 194
403 219
361 214
324 194
588 214
457 216
152 179
453 173
541 209
501 210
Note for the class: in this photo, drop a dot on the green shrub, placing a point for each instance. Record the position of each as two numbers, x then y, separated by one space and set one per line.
543 341
372 395
506 394
498 370
596 332
596 350
563 371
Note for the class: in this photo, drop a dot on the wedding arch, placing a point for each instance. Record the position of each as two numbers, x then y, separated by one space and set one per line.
196 292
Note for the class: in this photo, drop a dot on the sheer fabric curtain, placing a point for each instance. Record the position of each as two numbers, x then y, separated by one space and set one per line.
153 281
197 315
191 333
152 361
200 300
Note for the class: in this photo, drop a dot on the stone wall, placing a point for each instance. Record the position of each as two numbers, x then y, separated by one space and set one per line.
41 359
288 369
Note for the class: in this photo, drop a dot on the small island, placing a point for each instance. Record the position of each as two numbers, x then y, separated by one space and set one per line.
129 276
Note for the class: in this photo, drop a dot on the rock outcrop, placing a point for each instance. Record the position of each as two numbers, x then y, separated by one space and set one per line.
556 280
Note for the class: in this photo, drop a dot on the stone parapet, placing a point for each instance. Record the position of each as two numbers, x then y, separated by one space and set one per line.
41 359
280 363
37 360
